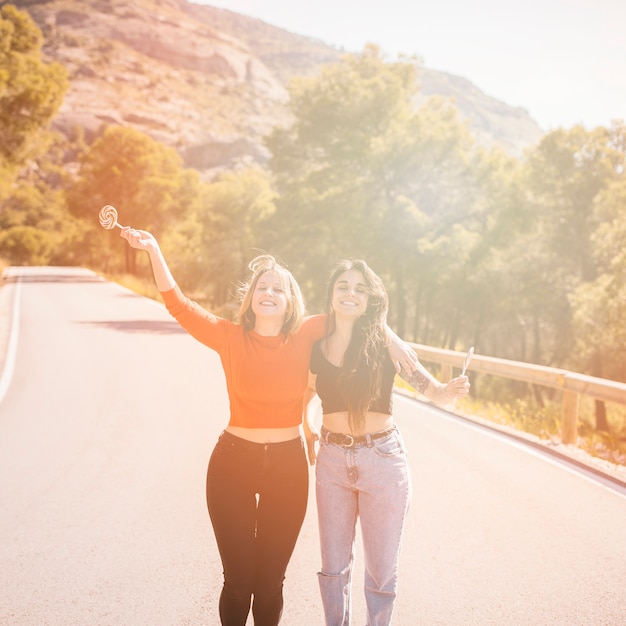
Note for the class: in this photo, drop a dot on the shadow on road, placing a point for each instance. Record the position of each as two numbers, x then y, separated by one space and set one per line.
139 326
56 278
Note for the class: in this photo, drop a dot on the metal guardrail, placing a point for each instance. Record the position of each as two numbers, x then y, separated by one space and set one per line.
573 385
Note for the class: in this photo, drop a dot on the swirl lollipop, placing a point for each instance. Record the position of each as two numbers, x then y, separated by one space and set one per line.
108 217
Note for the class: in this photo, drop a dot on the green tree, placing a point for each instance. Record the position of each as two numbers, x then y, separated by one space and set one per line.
210 251
143 179
31 93
35 227
486 294
563 177
600 305
361 172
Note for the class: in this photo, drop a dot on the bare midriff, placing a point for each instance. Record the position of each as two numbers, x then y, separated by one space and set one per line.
374 423
265 435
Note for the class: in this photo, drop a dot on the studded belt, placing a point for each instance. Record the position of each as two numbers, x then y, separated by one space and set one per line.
348 441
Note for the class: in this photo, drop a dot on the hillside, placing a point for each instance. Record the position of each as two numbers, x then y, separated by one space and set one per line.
207 81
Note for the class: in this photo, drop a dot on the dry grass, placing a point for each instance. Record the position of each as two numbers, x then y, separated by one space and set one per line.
141 286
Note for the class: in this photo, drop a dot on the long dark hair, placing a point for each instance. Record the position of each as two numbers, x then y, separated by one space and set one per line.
360 373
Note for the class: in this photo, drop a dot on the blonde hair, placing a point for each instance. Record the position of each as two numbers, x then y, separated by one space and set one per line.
295 303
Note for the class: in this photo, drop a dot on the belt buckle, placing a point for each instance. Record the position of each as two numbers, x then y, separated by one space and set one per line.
351 441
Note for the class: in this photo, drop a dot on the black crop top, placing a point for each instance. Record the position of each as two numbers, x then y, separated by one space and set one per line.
326 384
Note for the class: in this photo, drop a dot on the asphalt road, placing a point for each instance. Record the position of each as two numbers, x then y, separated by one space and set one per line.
108 415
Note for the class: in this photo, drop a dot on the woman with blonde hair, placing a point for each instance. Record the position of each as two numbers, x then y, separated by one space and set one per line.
257 478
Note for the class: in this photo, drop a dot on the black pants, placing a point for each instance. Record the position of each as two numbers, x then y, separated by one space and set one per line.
256 538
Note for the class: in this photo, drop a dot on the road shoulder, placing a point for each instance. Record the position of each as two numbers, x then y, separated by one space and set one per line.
571 453
7 297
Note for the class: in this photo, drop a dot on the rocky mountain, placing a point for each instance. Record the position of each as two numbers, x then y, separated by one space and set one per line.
210 82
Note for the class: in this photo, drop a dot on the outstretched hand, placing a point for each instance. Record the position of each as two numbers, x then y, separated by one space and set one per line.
457 388
140 239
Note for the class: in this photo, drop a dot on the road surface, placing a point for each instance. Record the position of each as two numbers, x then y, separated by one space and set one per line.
108 415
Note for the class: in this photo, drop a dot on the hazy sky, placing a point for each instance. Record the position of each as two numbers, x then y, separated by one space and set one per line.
564 61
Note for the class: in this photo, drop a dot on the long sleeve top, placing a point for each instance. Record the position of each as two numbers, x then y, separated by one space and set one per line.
266 377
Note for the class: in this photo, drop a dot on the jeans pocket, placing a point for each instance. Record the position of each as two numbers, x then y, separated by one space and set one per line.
390 446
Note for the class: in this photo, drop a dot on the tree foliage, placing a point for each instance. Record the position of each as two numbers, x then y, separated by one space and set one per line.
211 249
35 228
599 305
564 178
361 172
143 179
475 247
31 92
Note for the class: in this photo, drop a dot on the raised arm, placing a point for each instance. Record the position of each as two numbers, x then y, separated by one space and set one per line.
143 240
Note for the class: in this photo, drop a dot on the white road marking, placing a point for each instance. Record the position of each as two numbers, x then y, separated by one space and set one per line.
11 354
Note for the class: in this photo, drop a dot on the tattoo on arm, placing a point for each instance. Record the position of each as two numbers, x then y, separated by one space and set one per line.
417 380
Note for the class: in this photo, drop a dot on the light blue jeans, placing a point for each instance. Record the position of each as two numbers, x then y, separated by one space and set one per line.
369 481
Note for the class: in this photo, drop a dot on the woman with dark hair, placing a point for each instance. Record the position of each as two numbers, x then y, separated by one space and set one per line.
362 469
257 479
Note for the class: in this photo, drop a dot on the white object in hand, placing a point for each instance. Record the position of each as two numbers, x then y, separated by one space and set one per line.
468 358
108 217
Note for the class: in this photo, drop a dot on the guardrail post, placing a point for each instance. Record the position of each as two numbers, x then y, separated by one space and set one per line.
569 417
446 372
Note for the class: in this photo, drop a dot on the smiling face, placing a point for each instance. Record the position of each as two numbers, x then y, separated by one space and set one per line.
269 299
277 284
350 294
356 291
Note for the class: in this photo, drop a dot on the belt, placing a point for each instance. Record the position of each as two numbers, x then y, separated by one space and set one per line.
348 441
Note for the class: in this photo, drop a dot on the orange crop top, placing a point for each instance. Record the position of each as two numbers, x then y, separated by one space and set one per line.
266 377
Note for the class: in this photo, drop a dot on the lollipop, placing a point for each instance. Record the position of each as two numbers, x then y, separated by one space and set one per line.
468 358
108 217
